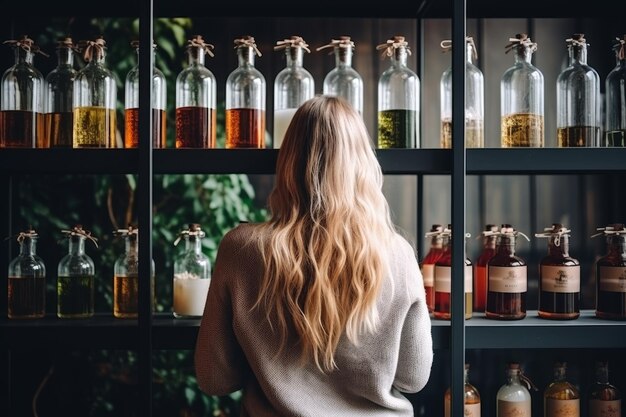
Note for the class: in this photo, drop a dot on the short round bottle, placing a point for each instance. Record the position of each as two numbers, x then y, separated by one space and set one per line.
489 236
75 279
21 106
427 266
471 407
245 99
615 134
27 280
610 277
192 275
131 105
513 398
196 91
561 397
59 95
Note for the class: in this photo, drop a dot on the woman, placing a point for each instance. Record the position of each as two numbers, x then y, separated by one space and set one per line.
321 310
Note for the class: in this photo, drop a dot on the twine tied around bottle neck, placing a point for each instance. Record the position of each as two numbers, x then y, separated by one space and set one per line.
435 231
79 231
198 42
391 45
556 231
27 44
294 41
344 42
93 49
130 231
135 44
505 230
193 230
67 43
620 46
520 40
446 45
611 230
578 39
247 42
28 234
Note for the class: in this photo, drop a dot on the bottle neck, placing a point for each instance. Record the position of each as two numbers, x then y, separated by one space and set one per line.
22 56
343 57
193 244
559 373
513 377
469 58
523 54
400 56
466 376
196 56
28 246
245 56
489 242
506 245
617 245
560 250
294 56
77 245
131 246
436 242
602 374
577 53
65 57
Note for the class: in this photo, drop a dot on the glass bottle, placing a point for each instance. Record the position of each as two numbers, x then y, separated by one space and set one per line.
578 120
605 400
610 272
507 278
474 100
27 280
443 280
95 99
513 398
489 236
192 275
522 93
561 398
245 99
196 91
427 266
398 98
21 107
59 96
615 134
126 276
471 407
343 80
559 277
293 85
76 274
131 100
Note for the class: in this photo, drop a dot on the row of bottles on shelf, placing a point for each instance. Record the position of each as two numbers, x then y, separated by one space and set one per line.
561 398
496 284
77 109
76 275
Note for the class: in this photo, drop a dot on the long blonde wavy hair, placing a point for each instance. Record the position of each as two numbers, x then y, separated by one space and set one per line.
328 237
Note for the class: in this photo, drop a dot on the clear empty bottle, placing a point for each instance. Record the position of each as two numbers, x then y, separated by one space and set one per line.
76 274
95 100
474 100
27 280
245 99
605 399
471 407
578 119
489 236
615 134
131 100
343 80
21 107
559 277
59 96
398 98
427 266
513 398
293 85
561 398
522 95
609 272
192 275
196 111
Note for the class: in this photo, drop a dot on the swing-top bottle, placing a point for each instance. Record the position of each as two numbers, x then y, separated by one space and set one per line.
471 398
561 397
192 274
605 399
59 96
513 398
27 280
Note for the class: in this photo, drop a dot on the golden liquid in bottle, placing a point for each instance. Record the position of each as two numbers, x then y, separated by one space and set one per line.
94 127
471 401
561 399
26 297
577 136
245 128
474 134
522 130
131 128
59 129
125 296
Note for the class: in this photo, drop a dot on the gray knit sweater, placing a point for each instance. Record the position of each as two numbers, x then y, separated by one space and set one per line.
236 347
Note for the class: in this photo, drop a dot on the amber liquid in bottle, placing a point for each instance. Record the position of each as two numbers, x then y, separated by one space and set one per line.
605 400
561 398
75 296
131 128
611 280
397 129
480 273
20 129
245 128
474 133
507 280
577 136
125 296
94 127
59 128
26 297
471 397
195 127
522 130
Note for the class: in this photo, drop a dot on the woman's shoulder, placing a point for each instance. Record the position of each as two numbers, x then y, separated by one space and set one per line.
401 247
242 235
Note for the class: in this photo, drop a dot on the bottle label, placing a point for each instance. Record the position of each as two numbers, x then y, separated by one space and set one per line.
612 278
514 408
508 279
560 278
443 279
469 410
428 275
562 408
599 408
468 281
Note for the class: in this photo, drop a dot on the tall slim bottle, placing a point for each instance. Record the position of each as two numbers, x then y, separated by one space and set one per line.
513 398
27 280
578 119
293 85
21 107
605 399
615 134
59 96
196 111
343 80
559 277
507 279
474 100
245 99
561 398
489 236
471 406
131 104
75 279
398 98
443 280
427 266
521 95
95 100
610 275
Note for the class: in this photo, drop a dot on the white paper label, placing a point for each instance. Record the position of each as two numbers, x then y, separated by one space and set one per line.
470 410
507 279
443 279
428 275
562 408
514 408
599 408
560 278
